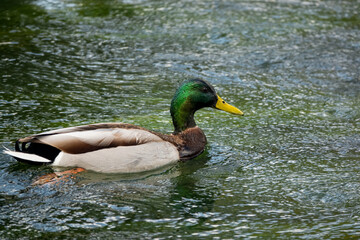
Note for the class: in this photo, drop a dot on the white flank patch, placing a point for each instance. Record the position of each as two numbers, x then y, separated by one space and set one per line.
122 159
58 159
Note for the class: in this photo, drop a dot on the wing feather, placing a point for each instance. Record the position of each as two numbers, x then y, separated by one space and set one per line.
84 138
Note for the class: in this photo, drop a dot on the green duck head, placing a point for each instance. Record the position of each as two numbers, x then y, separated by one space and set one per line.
191 96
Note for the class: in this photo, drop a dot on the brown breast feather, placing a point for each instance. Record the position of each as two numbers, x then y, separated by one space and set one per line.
190 143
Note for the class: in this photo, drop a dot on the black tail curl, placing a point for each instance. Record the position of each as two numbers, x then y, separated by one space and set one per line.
43 150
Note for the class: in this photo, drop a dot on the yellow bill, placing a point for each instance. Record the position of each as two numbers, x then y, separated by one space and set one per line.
222 105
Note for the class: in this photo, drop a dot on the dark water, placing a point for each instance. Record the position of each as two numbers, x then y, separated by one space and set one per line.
290 168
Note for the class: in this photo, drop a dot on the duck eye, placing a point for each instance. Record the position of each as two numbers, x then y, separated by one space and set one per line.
204 89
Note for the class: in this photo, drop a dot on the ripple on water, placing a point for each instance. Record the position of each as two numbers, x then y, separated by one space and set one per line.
287 169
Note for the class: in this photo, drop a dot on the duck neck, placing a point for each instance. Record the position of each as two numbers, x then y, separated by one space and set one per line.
182 113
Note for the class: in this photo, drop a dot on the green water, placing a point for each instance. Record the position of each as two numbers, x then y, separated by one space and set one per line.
290 168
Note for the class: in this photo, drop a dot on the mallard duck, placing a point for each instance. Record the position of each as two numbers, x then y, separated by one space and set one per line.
127 148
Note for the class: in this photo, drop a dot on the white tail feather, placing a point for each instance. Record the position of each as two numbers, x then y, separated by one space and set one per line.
27 156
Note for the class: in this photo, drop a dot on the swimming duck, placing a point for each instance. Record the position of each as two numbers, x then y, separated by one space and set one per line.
127 148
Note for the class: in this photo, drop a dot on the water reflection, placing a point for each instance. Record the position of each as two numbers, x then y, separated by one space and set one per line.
107 8
188 196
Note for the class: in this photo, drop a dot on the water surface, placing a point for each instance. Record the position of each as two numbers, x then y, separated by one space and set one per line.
288 168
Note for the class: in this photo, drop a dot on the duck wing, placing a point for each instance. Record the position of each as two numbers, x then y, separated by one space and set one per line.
87 138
